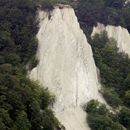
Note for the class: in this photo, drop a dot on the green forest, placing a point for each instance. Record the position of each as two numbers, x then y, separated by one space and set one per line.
112 12
24 104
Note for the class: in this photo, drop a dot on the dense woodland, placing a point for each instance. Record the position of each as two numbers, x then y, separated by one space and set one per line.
23 104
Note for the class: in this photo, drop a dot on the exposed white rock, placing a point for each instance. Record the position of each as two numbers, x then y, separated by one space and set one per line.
66 66
120 34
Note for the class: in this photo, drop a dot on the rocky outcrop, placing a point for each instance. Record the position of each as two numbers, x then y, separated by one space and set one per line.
120 34
66 66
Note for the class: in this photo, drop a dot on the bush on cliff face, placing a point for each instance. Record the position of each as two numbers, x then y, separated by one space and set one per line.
111 97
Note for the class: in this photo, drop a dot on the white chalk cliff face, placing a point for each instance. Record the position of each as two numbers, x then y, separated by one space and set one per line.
66 66
120 34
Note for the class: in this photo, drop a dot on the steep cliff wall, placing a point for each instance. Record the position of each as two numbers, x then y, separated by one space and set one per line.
66 66
120 34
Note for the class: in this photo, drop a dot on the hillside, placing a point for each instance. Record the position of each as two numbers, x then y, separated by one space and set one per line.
64 65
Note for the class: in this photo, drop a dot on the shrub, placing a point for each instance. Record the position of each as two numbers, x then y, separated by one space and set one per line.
124 117
111 97
33 63
126 98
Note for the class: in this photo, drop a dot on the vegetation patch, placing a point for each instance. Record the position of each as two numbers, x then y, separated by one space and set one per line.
100 118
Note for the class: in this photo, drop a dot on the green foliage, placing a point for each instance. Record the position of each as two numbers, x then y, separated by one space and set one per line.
46 98
18 29
91 106
24 105
100 40
90 10
94 107
113 12
5 120
111 97
127 81
126 98
99 122
114 68
49 4
21 121
33 63
99 117
124 117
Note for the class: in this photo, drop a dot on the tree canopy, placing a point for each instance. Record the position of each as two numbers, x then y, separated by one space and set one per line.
113 12
24 105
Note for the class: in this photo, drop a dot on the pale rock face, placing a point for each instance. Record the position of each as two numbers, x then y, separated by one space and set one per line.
66 66
120 34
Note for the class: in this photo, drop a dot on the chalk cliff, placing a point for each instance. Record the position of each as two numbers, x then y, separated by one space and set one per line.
66 66
120 34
